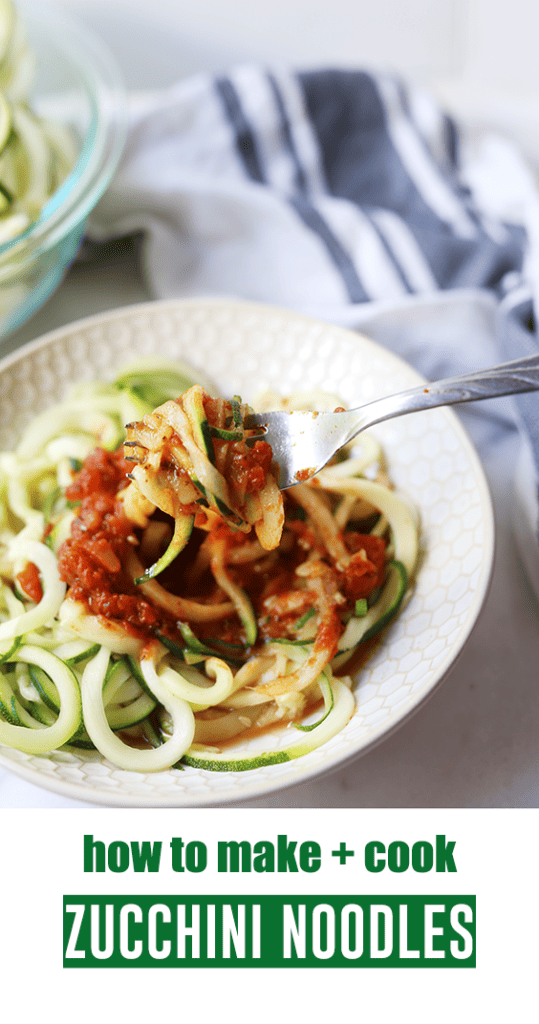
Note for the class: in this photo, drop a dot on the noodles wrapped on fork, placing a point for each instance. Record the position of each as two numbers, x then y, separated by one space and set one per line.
201 603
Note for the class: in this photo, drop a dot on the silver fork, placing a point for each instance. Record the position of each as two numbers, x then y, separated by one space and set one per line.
304 442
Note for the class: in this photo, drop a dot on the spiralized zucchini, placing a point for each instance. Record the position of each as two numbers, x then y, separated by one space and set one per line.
249 618
36 154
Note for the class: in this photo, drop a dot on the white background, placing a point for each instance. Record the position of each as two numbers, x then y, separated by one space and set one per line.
496 861
479 56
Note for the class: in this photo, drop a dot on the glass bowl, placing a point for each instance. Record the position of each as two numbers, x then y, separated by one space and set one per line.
77 83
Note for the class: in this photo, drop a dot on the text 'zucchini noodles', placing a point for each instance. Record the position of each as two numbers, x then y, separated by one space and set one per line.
160 598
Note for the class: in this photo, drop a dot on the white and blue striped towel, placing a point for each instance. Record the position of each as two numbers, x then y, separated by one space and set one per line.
343 195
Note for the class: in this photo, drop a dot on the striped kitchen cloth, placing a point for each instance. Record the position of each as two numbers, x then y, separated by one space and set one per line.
346 195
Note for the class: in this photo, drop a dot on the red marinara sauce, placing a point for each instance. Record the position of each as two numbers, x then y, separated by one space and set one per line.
366 569
247 465
91 560
30 582
248 468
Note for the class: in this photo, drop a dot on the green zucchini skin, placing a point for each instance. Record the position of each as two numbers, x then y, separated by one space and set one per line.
194 407
234 765
182 531
398 590
378 616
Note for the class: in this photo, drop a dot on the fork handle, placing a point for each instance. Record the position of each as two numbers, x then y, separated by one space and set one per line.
507 379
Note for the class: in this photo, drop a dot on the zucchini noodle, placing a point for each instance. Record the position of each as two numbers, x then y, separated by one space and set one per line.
160 598
36 155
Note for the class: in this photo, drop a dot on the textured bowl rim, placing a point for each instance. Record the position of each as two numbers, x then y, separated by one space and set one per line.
305 772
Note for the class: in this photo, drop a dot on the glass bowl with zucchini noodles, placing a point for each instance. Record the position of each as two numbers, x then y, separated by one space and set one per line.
173 630
61 132
161 597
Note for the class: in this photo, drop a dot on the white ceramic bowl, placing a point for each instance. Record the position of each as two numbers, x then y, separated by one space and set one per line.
246 347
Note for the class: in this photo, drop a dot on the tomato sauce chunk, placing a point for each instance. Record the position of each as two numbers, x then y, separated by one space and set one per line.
30 582
91 560
366 569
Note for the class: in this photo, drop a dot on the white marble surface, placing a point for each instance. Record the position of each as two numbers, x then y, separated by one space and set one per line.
476 742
